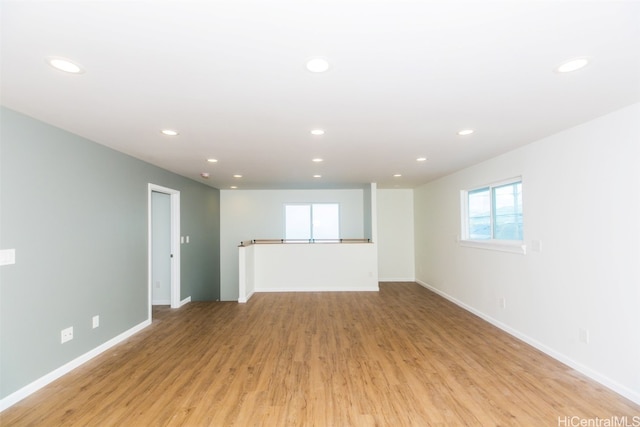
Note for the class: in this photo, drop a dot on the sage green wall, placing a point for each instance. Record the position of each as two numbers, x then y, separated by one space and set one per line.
76 213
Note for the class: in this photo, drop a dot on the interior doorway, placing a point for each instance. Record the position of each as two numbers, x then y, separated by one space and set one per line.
160 248
162 244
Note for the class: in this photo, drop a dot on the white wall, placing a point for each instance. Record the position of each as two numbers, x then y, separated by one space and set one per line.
246 273
395 235
581 194
316 267
259 214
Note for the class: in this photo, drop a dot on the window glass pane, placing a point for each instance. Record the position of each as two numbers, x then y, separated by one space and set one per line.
326 221
298 222
507 208
479 210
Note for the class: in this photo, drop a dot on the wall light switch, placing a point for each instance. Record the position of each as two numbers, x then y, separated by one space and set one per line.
187 239
181 239
7 256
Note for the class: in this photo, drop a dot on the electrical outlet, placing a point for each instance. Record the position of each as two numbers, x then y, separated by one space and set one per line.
583 335
95 321
503 302
66 335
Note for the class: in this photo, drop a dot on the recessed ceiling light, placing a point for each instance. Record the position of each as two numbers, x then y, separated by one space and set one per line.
233 187
212 160
421 159
169 132
317 160
317 65
317 132
317 176
65 65
205 175
397 175
572 65
465 132
237 176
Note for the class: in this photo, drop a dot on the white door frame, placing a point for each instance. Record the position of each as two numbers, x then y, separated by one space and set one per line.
175 244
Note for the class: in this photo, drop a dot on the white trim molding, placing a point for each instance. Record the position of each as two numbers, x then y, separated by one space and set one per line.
322 289
175 244
246 298
36 385
496 245
596 376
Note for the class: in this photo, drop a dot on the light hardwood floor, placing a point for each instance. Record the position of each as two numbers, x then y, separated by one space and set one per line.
399 357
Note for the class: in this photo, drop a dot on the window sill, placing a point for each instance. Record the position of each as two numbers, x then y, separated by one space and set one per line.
514 247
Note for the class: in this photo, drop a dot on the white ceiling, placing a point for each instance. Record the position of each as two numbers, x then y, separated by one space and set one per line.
405 76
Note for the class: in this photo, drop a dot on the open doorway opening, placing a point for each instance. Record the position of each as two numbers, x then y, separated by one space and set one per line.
160 249
164 247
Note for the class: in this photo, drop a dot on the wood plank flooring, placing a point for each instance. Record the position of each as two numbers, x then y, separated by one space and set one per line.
399 357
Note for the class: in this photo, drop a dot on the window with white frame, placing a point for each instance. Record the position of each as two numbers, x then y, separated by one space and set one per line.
493 213
312 221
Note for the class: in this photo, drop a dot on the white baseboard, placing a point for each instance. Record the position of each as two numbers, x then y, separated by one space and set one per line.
36 385
594 375
397 279
187 300
312 289
244 299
